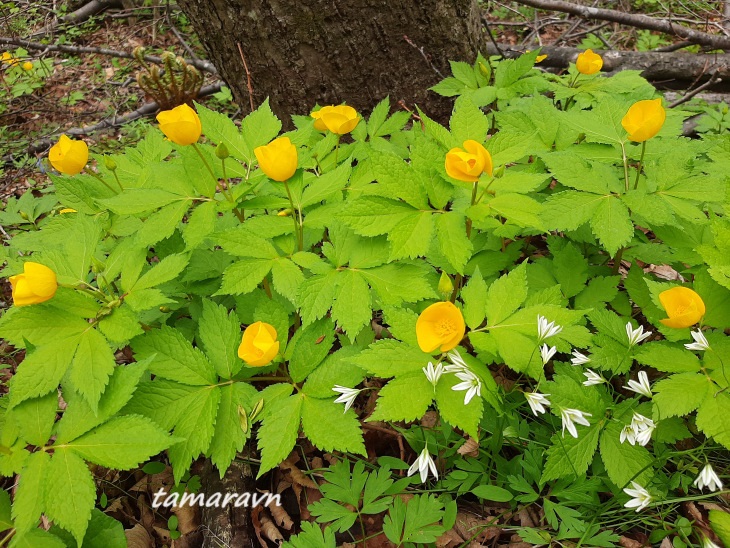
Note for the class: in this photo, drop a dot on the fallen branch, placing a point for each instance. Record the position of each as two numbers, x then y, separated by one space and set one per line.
653 65
205 66
687 96
632 20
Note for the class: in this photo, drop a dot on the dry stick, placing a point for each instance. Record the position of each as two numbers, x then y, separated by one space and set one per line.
687 96
485 22
80 15
248 76
205 66
633 20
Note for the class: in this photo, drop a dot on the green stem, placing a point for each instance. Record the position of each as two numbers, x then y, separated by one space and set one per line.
337 147
459 278
297 225
626 166
641 161
617 260
99 178
207 166
237 212
116 178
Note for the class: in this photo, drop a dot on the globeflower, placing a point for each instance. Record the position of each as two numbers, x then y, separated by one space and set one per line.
278 160
338 119
69 156
27 66
440 326
35 285
683 306
644 120
181 125
259 345
589 62
468 163
8 58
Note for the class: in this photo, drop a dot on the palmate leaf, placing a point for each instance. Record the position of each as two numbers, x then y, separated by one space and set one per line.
92 365
220 335
506 295
624 462
712 416
35 418
229 436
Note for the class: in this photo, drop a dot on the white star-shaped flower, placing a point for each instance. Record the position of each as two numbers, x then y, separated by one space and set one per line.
571 417
547 353
546 329
433 372
592 378
641 497
708 478
471 383
423 464
707 543
579 359
348 395
700 343
636 335
642 387
537 402
628 434
456 364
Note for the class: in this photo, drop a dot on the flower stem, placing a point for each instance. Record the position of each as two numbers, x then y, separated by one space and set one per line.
237 212
298 228
207 166
116 178
337 147
626 166
641 161
99 178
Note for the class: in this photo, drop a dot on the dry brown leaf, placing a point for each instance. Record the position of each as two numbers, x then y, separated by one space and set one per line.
317 463
525 518
297 475
666 543
430 419
470 448
281 518
449 539
163 534
155 482
466 524
269 529
146 515
138 537
187 518
627 542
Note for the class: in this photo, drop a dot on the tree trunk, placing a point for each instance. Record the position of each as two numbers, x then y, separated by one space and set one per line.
334 51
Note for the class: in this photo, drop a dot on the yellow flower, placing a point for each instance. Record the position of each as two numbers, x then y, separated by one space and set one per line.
539 58
440 326
35 285
683 306
339 119
259 345
644 120
589 62
180 125
69 156
67 210
278 159
469 163
27 66
8 58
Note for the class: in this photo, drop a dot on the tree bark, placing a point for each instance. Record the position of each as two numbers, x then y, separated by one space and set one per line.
335 51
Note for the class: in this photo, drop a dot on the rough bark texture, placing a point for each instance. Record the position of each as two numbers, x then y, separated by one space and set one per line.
230 527
334 51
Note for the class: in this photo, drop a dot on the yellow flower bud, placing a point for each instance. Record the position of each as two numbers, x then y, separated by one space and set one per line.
683 306
67 210
8 58
469 163
278 160
69 156
339 119
180 125
35 285
258 345
644 120
27 66
440 326
589 62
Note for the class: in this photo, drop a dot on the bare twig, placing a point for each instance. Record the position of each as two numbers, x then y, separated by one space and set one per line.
199 64
633 20
423 53
177 34
485 21
687 96
674 47
248 76
80 15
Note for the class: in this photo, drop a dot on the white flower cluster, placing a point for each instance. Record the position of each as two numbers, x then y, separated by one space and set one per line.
469 381
639 431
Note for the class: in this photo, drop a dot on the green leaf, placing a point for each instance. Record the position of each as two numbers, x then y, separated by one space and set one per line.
520 210
411 237
161 224
569 456
387 358
373 215
624 462
453 243
316 295
330 430
37 538
571 269
404 398
493 493
91 367
196 426
712 417
720 522
6 521
287 278
278 433
312 537
352 307
30 495
241 241
175 358
666 357
326 185
120 326
244 276
69 475
398 282
121 443
570 209
309 347
229 436
134 201
36 417
164 271
334 370
612 225
39 325
104 532
220 336
450 404
219 128
468 122
474 295
258 128
506 295
680 394
42 370
201 223
416 521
